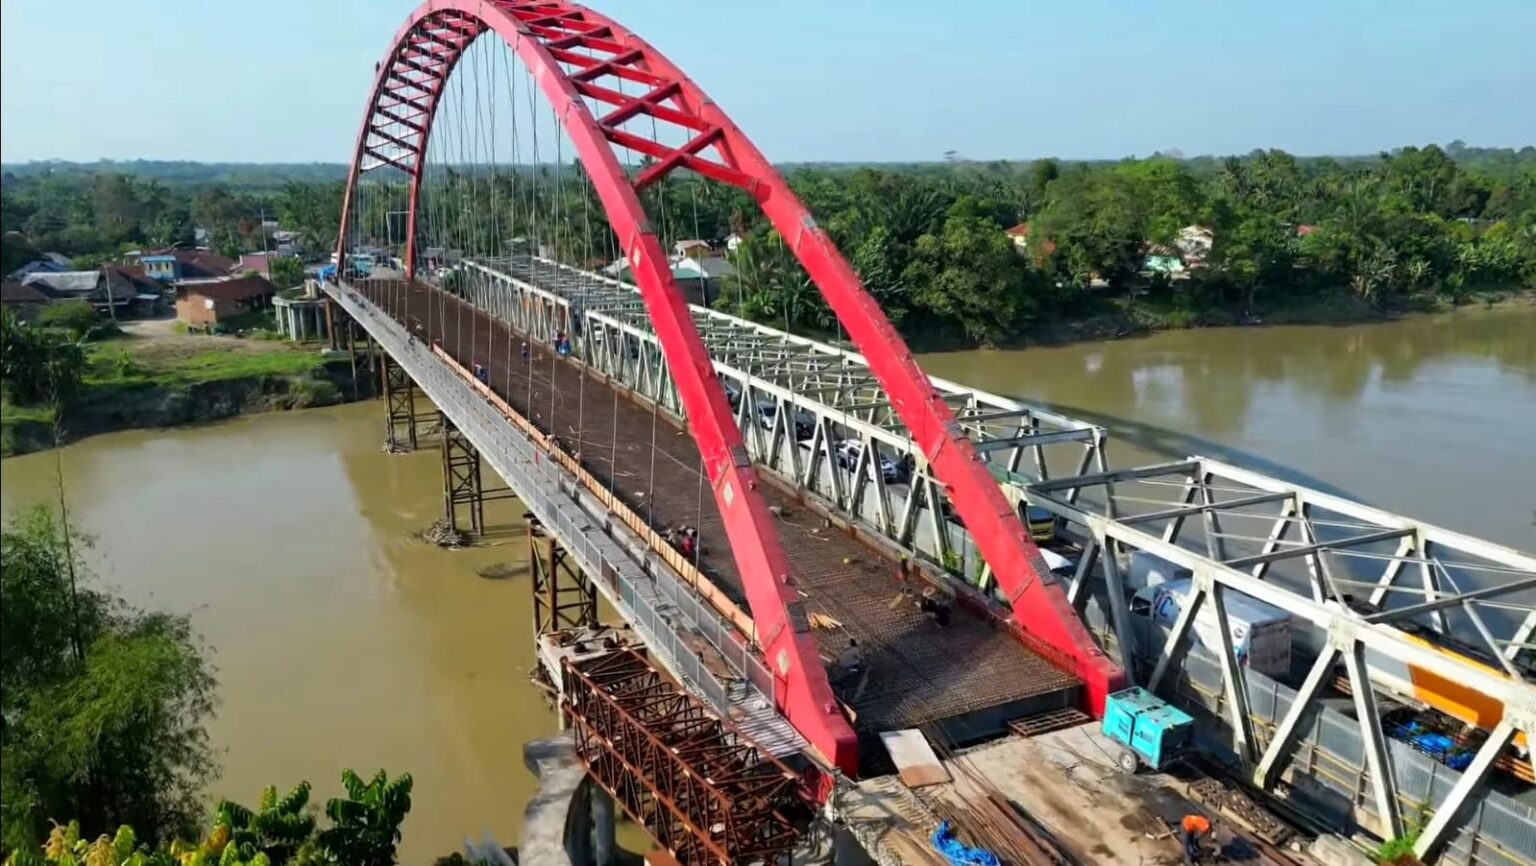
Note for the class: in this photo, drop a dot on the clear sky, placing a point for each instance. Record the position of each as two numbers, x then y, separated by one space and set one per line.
284 80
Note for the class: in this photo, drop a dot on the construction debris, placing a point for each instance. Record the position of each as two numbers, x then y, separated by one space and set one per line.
500 570
444 535
1239 808
822 622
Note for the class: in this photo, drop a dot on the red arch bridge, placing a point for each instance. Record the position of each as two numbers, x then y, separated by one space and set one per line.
522 239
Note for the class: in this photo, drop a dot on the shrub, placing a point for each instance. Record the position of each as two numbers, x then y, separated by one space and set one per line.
76 318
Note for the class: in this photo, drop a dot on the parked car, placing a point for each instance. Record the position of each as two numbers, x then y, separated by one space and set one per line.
732 392
848 451
768 413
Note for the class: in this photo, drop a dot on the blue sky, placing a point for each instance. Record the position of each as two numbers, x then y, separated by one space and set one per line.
284 80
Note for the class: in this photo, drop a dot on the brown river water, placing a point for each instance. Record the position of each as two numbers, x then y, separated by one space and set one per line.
342 640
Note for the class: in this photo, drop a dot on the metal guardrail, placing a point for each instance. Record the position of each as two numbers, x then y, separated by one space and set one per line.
643 590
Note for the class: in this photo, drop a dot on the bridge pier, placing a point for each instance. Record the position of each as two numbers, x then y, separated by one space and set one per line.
461 478
563 597
400 434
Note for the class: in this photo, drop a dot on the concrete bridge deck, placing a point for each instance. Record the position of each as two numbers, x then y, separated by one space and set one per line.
965 680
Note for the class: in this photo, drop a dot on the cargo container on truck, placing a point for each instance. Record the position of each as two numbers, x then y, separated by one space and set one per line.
1261 633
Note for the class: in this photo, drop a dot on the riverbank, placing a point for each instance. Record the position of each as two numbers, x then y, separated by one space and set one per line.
1113 318
155 379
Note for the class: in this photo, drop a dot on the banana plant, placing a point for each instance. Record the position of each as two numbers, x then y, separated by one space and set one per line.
366 824
278 829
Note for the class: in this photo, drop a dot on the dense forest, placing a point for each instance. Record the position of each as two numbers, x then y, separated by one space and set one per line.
1413 227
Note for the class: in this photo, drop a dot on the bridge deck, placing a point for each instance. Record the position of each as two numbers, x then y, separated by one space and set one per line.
967 678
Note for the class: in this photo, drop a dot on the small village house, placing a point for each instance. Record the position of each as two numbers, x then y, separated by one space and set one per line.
1019 235
121 292
206 304
691 249
50 263
22 301
171 266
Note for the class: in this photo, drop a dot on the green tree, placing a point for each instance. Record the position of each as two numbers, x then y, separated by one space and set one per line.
37 366
1253 250
1095 223
76 318
107 724
968 276
287 272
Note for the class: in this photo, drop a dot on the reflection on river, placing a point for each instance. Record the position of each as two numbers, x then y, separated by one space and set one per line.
1430 416
341 640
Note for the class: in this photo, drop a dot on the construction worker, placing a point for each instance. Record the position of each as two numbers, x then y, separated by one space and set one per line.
936 605
1193 831
851 660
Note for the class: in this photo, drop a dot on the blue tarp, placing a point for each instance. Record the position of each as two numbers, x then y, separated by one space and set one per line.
1434 744
958 853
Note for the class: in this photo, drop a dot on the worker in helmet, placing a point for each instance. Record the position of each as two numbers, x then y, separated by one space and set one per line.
1193 831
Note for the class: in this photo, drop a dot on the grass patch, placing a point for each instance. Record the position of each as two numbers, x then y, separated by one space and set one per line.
170 362
24 428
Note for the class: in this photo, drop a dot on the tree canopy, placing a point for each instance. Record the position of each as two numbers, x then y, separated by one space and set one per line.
1419 222
103 705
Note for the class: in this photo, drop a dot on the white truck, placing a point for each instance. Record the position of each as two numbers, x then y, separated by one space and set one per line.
1147 570
1261 633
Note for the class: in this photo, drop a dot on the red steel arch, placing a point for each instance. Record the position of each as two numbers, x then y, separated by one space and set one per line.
551 36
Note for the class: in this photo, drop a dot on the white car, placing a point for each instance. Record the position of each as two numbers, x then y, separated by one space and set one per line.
848 451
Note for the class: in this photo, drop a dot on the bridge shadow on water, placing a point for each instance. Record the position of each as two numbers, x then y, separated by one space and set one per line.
1176 445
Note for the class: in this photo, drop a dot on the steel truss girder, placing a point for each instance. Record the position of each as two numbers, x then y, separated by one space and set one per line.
1364 642
799 378
803 692
704 792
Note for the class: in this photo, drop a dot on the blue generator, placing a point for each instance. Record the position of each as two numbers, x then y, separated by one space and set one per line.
1148 730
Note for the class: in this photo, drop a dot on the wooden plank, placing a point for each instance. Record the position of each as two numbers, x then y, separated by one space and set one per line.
916 764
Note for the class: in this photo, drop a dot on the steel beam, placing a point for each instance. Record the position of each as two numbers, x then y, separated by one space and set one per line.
1118 614
1192 510
1284 739
1378 756
1436 832
1175 646
1233 680
1318 547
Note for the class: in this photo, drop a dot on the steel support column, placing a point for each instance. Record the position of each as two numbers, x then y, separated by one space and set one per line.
461 478
563 596
399 405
